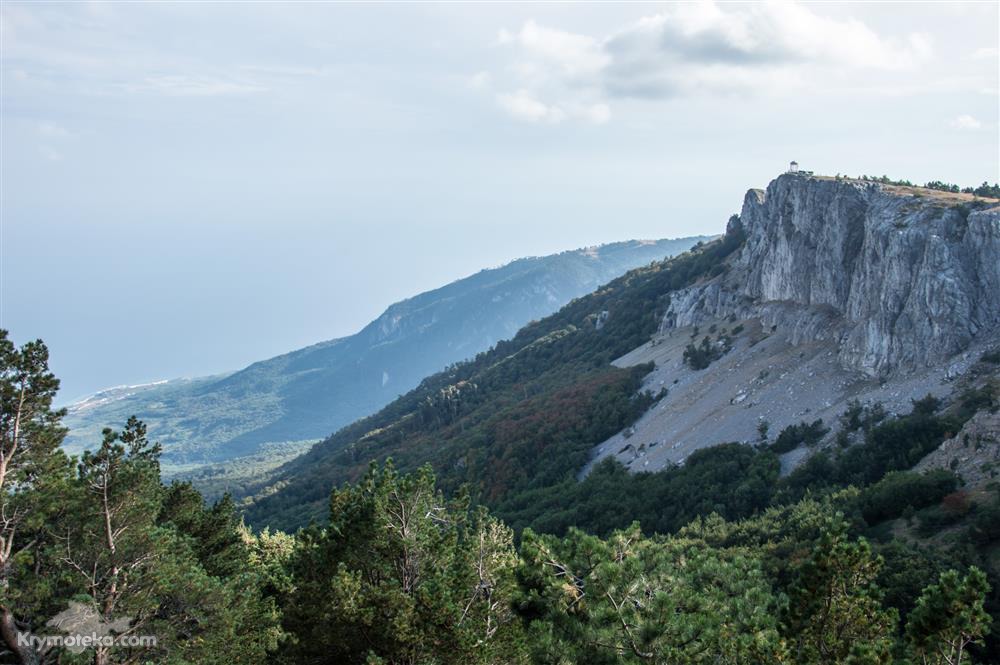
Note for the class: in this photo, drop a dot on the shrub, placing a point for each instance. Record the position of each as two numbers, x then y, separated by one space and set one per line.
899 490
992 357
858 416
701 356
793 436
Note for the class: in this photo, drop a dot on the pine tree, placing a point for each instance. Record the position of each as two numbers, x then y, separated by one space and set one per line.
948 617
632 599
835 613
171 569
33 474
402 575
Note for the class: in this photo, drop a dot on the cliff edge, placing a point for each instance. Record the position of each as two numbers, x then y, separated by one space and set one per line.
902 278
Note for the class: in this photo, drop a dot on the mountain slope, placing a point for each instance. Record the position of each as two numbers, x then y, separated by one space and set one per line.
532 412
523 414
846 291
308 393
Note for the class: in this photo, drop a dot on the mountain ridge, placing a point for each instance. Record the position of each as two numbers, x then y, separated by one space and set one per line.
535 410
304 394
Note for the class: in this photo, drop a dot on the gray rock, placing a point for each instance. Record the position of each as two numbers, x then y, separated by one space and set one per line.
901 282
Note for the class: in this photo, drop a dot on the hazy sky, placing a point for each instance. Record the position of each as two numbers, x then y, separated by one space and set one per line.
190 187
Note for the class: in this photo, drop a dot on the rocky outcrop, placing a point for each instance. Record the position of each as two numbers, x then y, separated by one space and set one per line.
901 278
973 453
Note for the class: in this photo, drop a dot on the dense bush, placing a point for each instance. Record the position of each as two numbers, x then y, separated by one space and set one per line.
793 436
893 445
898 490
985 189
862 416
985 528
702 355
952 509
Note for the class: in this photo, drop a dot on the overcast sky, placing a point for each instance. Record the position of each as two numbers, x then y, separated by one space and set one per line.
187 188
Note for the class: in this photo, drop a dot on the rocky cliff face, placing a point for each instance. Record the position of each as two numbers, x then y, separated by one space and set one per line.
901 278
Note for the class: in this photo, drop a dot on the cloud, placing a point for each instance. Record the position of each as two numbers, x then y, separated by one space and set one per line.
50 153
480 81
985 53
52 131
694 48
50 134
575 56
966 122
523 106
193 86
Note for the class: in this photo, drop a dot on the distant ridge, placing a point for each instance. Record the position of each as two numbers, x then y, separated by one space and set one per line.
309 393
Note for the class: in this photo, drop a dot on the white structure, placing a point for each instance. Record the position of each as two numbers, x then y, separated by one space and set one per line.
793 167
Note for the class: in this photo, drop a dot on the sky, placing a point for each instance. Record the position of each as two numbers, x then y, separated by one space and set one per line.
189 187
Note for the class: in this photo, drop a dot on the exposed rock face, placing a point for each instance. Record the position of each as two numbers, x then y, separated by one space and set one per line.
973 453
901 281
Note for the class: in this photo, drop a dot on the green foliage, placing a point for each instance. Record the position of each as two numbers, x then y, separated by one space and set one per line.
858 416
156 559
835 604
908 568
892 445
977 399
953 509
520 417
942 186
985 189
402 575
732 480
885 180
630 599
889 497
34 474
216 533
948 617
985 528
144 559
703 355
294 399
793 436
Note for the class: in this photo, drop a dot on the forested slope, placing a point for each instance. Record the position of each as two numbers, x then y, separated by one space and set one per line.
522 415
308 393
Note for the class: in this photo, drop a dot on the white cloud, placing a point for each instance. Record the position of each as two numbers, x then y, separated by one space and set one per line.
193 86
480 81
50 134
597 114
52 131
769 32
966 122
986 53
573 55
696 48
50 153
523 106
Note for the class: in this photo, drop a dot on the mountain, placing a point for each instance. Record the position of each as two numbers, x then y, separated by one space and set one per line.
825 293
846 291
273 409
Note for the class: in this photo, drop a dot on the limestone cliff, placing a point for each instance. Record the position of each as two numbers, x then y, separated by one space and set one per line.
900 278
